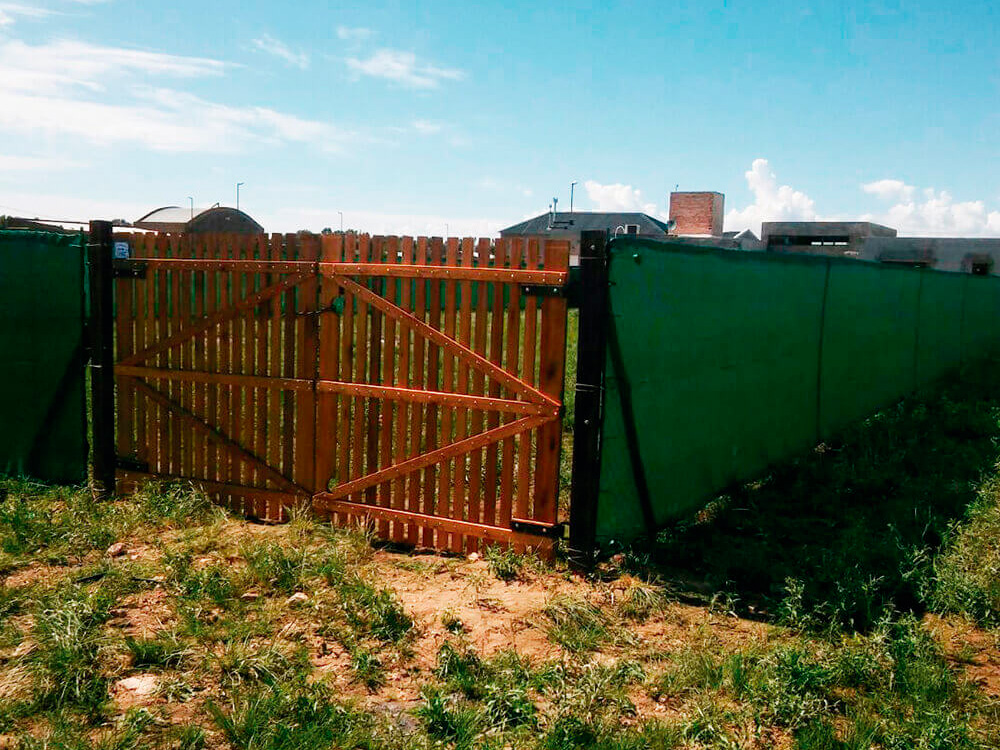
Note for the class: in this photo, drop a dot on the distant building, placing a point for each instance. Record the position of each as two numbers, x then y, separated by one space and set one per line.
860 239
694 218
214 219
820 237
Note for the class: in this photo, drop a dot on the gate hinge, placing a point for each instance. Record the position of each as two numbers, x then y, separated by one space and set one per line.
543 290
127 463
536 528
128 269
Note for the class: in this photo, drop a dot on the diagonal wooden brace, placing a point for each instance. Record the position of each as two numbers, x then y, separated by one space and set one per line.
220 316
447 343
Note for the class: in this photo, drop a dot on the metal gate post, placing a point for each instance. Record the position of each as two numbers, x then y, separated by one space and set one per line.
588 416
102 377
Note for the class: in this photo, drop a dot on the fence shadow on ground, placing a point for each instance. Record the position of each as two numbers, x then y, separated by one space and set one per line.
849 531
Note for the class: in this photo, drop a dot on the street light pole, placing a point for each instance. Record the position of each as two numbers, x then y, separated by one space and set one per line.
238 194
571 186
192 206
341 221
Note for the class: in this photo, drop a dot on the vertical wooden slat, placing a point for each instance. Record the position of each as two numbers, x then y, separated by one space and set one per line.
388 364
185 359
332 249
432 383
260 317
375 410
305 418
125 407
222 415
142 293
460 486
211 415
402 378
445 488
175 389
162 323
511 365
552 359
288 398
359 427
344 466
478 388
527 376
200 362
274 368
496 357
418 378
243 364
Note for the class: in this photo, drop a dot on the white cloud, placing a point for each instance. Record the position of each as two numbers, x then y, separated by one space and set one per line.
353 34
935 213
426 127
51 88
276 47
17 163
911 211
617 197
889 189
403 68
771 201
10 12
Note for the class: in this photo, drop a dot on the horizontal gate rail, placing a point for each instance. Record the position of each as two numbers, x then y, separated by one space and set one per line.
443 398
505 275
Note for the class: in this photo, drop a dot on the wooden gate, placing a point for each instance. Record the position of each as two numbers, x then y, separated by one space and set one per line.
413 384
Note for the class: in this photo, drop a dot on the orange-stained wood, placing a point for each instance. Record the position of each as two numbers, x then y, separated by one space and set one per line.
441 454
448 273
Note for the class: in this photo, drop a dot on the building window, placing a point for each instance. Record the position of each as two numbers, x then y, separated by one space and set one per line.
981 269
631 229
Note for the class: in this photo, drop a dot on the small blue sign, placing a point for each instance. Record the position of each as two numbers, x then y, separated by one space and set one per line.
122 251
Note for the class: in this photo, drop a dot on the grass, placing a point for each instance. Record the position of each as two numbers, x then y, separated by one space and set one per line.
805 621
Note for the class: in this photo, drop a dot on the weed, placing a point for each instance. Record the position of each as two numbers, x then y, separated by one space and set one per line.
367 669
576 624
447 719
164 651
449 619
248 661
374 612
289 716
190 737
276 567
505 563
641 601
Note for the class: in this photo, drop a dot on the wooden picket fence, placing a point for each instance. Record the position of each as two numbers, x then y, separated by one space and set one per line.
410 384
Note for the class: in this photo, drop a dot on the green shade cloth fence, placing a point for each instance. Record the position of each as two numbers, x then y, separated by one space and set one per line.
42 382
723 362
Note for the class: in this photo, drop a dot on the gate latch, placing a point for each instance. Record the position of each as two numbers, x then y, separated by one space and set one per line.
128 269
543 290
536 528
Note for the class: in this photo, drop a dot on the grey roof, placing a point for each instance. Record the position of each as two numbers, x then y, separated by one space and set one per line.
582 221
171 215
213 219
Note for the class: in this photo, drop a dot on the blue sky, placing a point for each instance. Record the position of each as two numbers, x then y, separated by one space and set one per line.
408 117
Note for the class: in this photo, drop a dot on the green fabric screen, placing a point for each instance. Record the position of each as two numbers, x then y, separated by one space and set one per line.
42 391
723 362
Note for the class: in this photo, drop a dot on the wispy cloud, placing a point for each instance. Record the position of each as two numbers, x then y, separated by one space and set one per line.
60 88
403 68
427 127
353 34
270 45
10 12
18 163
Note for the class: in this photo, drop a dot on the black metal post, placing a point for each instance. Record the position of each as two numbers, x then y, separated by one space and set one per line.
588 415
102 377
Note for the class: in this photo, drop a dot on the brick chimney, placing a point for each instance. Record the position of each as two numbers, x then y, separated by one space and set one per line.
697 213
